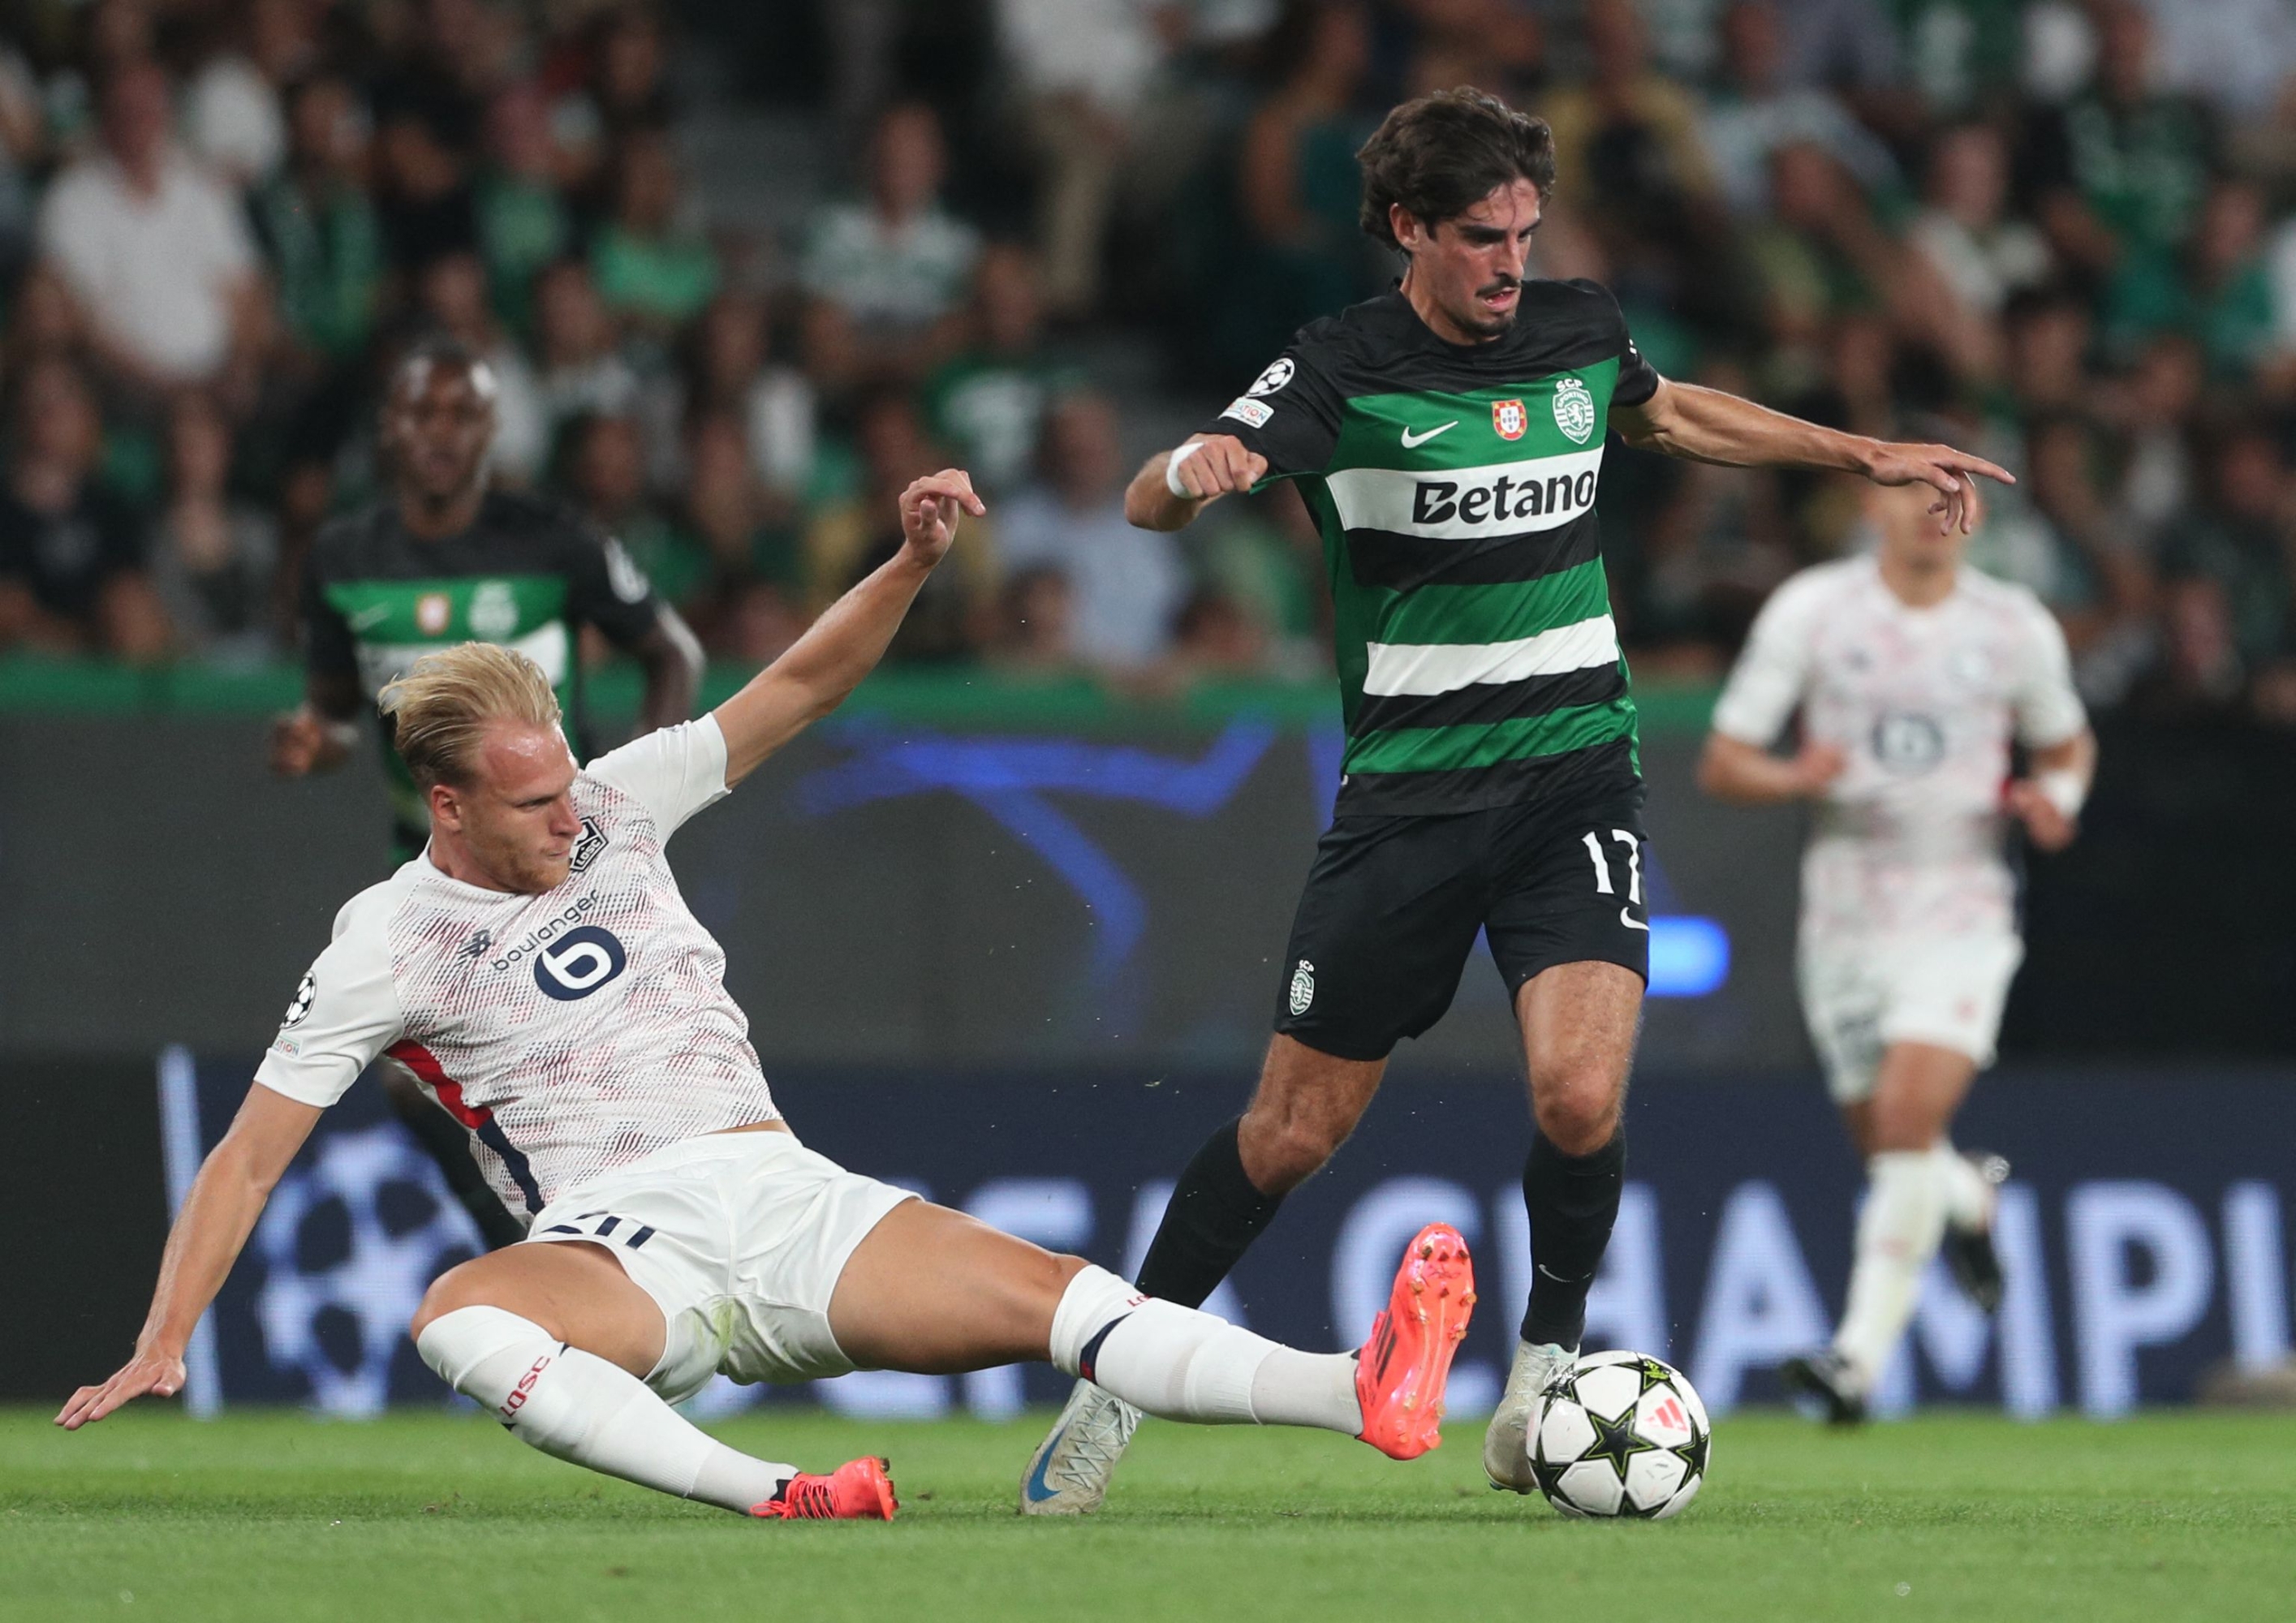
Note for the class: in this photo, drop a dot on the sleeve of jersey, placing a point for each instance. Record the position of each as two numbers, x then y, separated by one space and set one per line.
1767 682
1638 380
1290 415
345 1013
673 773
606 588
2049 709
329 648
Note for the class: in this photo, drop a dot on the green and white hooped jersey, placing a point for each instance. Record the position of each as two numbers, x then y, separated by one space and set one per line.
527 574
1454 488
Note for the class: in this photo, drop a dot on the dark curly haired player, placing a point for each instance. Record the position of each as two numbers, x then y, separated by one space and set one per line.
1447 437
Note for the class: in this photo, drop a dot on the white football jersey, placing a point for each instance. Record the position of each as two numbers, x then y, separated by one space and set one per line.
571 1032
1924 703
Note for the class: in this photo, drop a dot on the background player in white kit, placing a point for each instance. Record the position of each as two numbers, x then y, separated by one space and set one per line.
538 969
1912 674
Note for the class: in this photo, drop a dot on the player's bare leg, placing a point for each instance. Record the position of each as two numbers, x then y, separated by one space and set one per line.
1917 1187
1579 1022
936 1291
1305 1106
555 1341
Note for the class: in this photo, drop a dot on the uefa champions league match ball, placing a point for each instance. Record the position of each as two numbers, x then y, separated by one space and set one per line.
1621 1434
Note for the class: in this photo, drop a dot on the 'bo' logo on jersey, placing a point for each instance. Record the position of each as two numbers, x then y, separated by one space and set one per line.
579 962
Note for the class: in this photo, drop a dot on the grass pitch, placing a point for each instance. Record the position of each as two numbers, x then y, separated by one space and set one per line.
422 1518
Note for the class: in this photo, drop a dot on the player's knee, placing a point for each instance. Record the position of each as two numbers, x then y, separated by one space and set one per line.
458 1287
1281 1152
1578 1115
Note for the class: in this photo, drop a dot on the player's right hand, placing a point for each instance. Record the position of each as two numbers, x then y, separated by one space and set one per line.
147 1372
930 507
1220 465
1818 766
303 742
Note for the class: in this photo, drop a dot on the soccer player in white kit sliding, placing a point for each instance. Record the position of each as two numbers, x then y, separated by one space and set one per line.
1912 674
538 969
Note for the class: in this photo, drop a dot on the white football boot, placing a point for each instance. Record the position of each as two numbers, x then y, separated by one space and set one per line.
1507 1444
1068 1474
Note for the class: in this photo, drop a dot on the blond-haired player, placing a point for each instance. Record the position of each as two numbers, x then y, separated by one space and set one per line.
1913 676
537 968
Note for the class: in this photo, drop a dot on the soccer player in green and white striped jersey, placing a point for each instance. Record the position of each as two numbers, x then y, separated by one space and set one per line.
1448 438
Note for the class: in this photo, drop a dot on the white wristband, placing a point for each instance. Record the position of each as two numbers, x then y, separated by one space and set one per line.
1172 470
2063 788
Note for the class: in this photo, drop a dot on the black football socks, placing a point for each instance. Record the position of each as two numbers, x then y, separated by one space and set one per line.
1573 1200
1215 1215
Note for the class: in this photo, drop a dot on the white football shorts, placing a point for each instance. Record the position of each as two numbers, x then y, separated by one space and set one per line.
739 1239
1861 995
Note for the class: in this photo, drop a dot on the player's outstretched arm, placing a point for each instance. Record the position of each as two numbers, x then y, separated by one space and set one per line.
1707 425
234 1181
1740 773
1173 487
844 645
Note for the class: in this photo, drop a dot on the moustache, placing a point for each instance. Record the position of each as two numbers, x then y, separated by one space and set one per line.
1505 284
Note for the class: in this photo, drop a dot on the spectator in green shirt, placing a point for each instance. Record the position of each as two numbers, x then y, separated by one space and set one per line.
524 223
987 402
2120 166
2218 290
651 269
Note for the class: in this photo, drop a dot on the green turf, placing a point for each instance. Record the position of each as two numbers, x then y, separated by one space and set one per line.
429 1517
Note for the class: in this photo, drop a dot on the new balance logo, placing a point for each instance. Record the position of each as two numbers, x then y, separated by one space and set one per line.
1412 441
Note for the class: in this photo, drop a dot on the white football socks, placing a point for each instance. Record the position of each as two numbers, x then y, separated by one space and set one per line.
1968 1197
1183 1363
1897 1234
577 1406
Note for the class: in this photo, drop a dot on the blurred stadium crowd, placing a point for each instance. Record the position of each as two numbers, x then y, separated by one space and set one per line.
1040 237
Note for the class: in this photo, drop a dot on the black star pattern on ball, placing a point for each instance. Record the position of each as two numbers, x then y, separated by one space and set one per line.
1693 1453
1615 1441
1653 1374
1549 1473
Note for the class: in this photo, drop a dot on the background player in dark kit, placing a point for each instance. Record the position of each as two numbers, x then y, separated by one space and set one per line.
445 559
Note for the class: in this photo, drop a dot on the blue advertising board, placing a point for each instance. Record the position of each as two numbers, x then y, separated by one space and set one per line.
2144 1234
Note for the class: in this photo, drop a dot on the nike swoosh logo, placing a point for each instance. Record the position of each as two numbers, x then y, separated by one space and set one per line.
365 617
1411 440
1037 1489
1628 921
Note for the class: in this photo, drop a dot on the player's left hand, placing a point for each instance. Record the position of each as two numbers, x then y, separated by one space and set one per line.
930 507
1944 470
2048 828
146 1372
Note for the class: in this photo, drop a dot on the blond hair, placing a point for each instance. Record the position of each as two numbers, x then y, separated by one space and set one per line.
438 712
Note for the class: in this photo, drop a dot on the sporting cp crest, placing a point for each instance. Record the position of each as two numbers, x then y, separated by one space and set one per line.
1303 988
1508 419
1574 410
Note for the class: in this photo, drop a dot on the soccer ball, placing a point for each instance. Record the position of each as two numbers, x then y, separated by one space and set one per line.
1621 1434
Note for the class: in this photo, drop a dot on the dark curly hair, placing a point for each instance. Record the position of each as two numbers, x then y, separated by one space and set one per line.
1440 155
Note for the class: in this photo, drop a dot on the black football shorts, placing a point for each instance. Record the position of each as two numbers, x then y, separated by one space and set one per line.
1393 906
